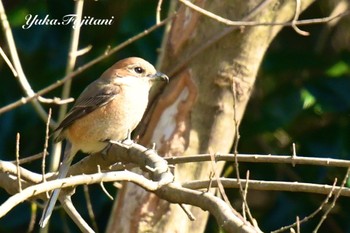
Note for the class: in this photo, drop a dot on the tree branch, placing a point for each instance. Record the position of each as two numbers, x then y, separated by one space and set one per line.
174 193
270 186
256 158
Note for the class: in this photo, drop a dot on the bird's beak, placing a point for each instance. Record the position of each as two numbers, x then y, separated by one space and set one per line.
160 77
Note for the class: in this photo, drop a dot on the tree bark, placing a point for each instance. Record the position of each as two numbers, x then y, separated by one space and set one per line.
213 68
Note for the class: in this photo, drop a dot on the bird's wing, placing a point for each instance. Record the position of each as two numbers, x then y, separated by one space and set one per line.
93 97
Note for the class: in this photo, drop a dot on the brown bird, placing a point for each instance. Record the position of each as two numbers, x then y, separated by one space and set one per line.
108 109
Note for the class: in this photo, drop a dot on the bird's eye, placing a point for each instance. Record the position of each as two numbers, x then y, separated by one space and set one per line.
139 70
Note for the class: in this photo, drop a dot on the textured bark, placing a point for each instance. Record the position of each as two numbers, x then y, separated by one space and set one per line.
195 112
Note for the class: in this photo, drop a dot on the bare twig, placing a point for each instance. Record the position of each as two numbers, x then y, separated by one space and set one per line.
294 155
313 214
298 224
236 137
159 8
245 195
46 144
235 151
187 212
55 100
33 210
217 177
336 196
74 215
29 159
103 187
211 176
258 158
271 186
89 208
17 163
295 19
8 62
82 51
83 68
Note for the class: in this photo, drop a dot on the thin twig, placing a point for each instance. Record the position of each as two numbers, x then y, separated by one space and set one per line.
8 62
245 195
159 8
211 176
82 51
17 163
336 196
89 208
46 144
295 19
298 224
29 159
236 136
103 187
33 210
220 186
313 214
235 151
55 100
187 212
83 68
294 155
245 203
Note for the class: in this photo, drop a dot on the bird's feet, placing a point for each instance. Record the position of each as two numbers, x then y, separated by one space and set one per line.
127 142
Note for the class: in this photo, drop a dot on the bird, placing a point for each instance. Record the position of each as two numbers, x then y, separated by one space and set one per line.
108 109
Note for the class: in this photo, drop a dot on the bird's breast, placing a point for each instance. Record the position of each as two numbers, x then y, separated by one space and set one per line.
112 121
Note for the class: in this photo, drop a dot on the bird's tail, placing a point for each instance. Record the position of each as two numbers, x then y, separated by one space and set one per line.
62 173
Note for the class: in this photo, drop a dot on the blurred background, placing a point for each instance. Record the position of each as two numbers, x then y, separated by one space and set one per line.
302 96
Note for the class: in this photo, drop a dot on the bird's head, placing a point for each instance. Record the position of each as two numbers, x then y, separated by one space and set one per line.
134 69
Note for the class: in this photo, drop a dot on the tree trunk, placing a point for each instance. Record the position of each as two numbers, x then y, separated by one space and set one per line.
208 62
